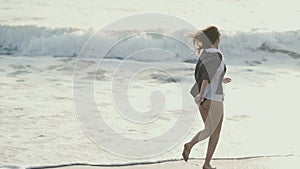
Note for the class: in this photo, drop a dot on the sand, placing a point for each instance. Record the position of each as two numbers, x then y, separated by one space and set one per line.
39 125
267 162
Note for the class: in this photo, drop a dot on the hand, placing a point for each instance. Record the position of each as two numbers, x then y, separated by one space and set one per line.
199 98
226 80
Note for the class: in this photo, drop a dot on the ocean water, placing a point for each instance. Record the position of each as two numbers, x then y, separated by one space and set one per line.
231 15
40 45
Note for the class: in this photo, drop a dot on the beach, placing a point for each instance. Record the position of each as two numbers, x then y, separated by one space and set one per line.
40 126
93 85
241 163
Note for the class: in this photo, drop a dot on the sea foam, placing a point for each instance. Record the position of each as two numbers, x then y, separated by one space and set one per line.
68 42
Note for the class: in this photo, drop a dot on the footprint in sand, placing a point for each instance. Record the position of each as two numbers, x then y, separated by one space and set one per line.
238 117
18 72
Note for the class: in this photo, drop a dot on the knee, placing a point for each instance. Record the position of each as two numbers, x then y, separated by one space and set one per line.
207 132
212 133
216 133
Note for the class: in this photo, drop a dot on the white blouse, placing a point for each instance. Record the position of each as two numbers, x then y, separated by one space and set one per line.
213 85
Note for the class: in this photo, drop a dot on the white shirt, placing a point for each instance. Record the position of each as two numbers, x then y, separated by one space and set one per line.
210 91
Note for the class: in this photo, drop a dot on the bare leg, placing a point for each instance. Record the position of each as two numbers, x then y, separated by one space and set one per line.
212 144
205 133
211 113
201 135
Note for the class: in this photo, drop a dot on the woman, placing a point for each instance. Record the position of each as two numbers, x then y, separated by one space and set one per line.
209 75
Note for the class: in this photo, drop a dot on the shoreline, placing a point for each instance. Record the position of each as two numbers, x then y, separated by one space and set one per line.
165 163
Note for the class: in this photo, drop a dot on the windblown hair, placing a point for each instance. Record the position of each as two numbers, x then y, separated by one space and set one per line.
205 38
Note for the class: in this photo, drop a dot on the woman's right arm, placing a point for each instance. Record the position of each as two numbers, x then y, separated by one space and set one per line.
200 97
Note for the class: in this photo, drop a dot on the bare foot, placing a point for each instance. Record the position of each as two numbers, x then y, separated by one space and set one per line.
208 166
186 152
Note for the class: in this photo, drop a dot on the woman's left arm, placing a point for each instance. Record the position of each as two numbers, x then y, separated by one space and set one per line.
227 80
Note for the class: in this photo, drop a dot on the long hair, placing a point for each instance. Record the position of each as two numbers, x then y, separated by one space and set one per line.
205 38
